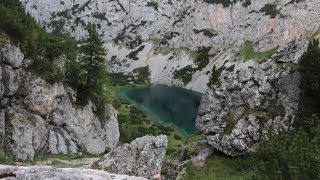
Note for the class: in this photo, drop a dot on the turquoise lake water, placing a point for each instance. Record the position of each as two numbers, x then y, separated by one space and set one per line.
171 106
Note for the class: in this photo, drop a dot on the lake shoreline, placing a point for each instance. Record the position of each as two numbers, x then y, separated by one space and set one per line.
123 93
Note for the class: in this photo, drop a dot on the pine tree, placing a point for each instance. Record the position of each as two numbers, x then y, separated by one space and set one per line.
93 70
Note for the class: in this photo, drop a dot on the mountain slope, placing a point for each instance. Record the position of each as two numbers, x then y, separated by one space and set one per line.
165 35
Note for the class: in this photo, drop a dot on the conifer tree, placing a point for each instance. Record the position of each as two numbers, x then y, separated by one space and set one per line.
93 70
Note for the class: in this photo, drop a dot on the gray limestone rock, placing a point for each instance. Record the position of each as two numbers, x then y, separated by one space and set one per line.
37 116
184 26
10 79
142 157
11 55
256 99
47 172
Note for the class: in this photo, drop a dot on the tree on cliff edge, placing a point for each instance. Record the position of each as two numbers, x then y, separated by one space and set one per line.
92 72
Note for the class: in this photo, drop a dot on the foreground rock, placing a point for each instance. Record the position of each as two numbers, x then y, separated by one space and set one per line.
142 157
46 172
254 100
37 116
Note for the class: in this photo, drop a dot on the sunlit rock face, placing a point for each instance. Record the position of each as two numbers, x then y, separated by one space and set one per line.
165 34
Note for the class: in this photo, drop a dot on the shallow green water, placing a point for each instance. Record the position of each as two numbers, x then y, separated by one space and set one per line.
172 106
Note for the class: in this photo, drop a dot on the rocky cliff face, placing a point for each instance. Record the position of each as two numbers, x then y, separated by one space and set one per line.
142 157
46 172
165 35
252 101
39 117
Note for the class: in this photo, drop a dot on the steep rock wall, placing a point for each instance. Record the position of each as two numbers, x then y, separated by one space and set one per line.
165 34
252 102
39 117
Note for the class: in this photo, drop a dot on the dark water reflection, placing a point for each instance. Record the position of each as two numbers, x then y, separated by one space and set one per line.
171 106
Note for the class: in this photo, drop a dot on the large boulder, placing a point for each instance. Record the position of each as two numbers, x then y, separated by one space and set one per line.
11 55
142 157
46 173
10 80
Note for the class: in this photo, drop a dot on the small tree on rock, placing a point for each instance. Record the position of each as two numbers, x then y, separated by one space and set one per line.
93 73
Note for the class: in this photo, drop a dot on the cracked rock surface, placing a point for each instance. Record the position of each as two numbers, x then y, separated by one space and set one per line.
39 117
142 157
47 172
251 102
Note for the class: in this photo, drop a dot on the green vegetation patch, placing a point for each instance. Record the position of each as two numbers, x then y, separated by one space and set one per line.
6 160
201 58
248 52
98 15
294 154
133 123
215 77
133 54
295 1
180 17
141 77
185 74
44 48
167 37
205 32
79 155
270 10
225 3
246 3
222 167
153 4
230 124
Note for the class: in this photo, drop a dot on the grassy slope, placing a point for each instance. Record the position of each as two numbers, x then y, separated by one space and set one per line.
221 167
248 52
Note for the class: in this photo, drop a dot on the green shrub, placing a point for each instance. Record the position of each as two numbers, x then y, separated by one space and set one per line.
215 77
310 84
153 4
5 160
222 167
225 3
270 10
292 155
34 41
248 52
185 74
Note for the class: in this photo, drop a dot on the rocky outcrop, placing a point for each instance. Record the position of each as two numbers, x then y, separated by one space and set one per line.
36 116
142 157
196 152
168 32
254 99
46 172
